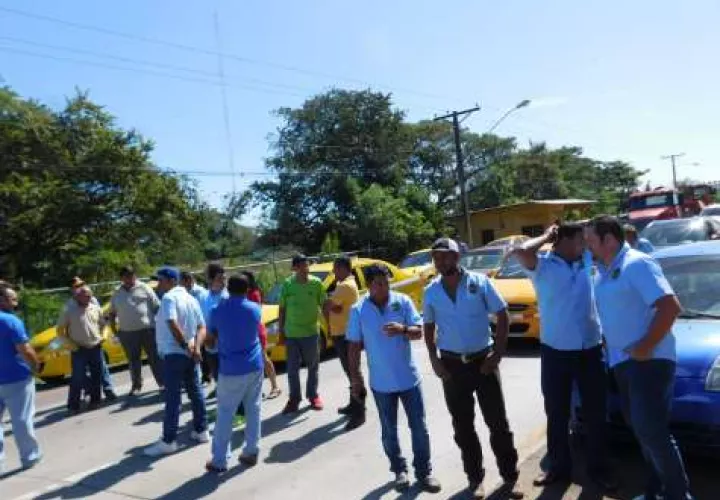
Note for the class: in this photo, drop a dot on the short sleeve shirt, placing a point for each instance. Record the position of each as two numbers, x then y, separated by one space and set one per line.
135 307
346 294
179 305
391 363
13 367
210 301
302 302
626 292
84 324
568 318
463 325
236 322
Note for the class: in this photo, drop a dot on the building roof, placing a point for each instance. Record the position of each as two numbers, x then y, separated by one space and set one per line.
566 202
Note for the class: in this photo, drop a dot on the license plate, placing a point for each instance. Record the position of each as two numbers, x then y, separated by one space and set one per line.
517 317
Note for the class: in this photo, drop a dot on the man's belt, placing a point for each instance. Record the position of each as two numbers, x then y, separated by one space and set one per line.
465 358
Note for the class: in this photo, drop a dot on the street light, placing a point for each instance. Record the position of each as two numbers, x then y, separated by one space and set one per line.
522 104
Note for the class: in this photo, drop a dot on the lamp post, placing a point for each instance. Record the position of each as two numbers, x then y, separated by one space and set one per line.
522 104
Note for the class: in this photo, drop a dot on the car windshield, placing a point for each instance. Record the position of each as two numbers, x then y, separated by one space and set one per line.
483 259
321 275
512 269
416 260
676 232
696 282
652 201
713 210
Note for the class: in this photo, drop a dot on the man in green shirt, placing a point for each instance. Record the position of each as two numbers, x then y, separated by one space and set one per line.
301 297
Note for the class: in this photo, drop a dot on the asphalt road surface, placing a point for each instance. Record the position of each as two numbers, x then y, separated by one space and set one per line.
98 454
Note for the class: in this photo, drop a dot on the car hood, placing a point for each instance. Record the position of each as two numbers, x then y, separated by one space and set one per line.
42 339
516 291
270 313
698 345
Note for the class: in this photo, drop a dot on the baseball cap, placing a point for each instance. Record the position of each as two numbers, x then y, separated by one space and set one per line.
168 272
445 245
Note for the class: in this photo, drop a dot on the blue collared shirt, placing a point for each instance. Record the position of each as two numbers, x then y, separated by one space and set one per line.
390 359
236 322
13 368
199 292
209 301
644 246
626 292
568 318
463 326
179 305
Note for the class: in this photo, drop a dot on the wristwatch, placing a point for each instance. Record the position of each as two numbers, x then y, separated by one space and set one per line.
405 330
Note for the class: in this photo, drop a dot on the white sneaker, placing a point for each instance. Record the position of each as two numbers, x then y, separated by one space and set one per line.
200 437
160 448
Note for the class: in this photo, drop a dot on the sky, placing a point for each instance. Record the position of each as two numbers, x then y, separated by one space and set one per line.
631 81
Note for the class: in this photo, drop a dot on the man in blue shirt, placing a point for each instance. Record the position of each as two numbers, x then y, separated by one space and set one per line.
179 331
632 239
216 292
637 309
234 329
384 323
17 387
570 348
457 306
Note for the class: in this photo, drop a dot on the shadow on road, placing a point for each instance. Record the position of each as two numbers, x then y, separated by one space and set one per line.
290 451
202 486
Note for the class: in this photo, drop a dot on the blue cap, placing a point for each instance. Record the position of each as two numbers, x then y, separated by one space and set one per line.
169 272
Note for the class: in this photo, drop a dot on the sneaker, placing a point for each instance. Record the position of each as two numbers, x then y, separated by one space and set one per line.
291 407
402 481
200 437
430 484
29 464
316 403
248 460
160 448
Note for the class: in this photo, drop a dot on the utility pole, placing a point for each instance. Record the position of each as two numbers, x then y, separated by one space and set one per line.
465 206
674 168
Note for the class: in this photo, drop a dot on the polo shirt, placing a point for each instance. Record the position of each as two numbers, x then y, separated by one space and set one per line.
179 305
199 292
236 323
84 324
568 318
301 302
626 292
13 367
208 302
345 294
391 363
463 325
135 307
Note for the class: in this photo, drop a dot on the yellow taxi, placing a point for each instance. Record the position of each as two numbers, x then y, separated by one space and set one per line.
519 293
418 262
402 280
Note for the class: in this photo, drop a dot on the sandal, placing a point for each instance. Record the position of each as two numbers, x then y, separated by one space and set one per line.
274 393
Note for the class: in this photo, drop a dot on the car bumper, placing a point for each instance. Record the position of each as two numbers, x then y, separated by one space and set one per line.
522 325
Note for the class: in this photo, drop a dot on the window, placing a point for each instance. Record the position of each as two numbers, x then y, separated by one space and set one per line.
532 231
487 236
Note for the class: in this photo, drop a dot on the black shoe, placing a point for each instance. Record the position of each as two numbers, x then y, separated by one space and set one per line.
509 490
110 396
550 477
430 484
604 481
93 405
355 421
347 409
134 390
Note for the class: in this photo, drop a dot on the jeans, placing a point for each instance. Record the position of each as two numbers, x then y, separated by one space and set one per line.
298 350
559 370
646 389
82 359
465 383
134 343
231 391
412 401
107 385
180 370
19 399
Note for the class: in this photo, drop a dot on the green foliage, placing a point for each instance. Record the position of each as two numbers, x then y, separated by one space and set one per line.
331 243
40 311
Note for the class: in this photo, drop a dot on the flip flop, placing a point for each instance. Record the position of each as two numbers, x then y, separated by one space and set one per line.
274 394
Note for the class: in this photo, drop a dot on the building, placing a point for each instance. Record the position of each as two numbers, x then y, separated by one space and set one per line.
530 218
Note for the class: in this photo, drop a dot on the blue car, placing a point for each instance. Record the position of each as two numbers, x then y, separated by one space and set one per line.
693 270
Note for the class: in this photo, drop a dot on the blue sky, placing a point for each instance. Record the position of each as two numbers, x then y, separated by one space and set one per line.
624 80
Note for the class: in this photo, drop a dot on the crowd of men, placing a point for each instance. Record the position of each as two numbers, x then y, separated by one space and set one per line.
602 303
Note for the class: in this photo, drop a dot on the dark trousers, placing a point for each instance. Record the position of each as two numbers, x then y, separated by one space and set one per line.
559 370
83 359
341 347
465 383
107 386
182 372
646 390
134 343
302 349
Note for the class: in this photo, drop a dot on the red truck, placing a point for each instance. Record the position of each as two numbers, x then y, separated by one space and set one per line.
668 203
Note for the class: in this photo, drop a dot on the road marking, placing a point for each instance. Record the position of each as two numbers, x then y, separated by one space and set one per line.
71 480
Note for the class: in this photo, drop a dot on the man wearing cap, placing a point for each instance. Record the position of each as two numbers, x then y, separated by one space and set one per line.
134 305
301 297
457 305
570 348
180 332
639 244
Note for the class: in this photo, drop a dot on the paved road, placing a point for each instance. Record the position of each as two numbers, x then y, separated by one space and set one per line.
98 455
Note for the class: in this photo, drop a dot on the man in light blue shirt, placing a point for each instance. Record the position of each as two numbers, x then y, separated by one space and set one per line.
637 308
457 306
639 244
570 348
384 323
216 292
180 332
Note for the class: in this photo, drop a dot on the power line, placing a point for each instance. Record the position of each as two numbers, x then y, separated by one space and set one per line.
226 111
204 51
